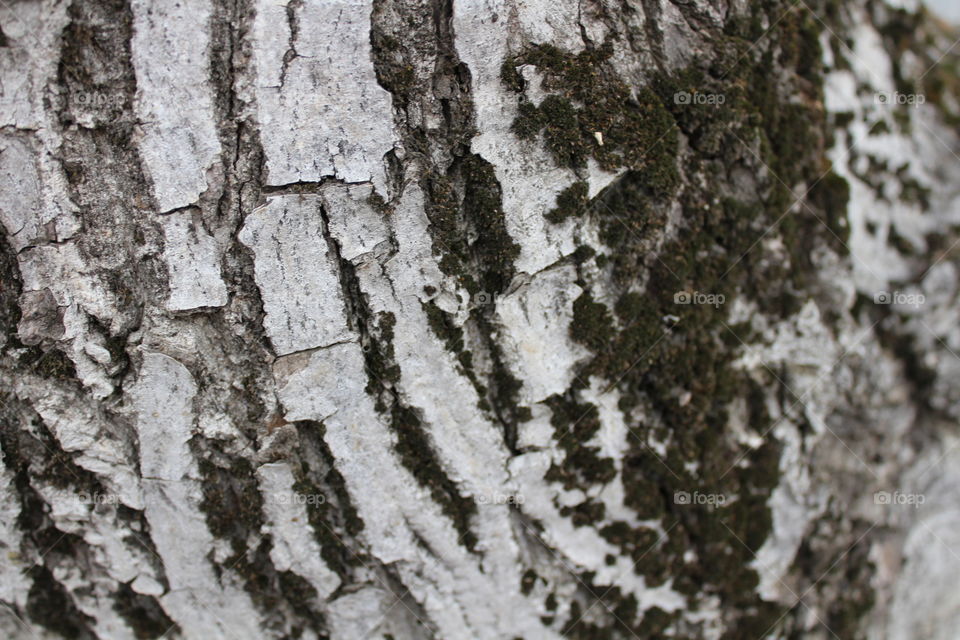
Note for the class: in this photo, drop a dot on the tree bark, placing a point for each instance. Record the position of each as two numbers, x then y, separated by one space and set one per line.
478 319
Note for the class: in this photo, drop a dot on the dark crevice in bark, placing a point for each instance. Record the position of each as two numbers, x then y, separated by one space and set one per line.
841 574
233 508
416 61
11 284
646 358
104 175
50 606
246 347
102 166
461 191
414 446
336 523
143 614
293 22
232 503
34 456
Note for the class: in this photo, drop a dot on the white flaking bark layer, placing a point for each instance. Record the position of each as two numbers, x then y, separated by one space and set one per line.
294 546
297 274
197 601
22 209
193 263
470 447
487 33
460 598
320 108
535 319
174 97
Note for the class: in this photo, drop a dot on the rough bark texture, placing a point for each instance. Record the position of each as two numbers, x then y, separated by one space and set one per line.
478 319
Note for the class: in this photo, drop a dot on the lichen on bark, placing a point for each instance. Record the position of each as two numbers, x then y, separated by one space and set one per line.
460 319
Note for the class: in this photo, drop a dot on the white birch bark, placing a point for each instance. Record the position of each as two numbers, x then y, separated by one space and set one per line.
356 319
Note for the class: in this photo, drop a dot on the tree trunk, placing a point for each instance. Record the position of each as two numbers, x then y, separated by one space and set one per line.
478 319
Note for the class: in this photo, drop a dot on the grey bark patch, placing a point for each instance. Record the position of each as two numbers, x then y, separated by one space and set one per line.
297 274
22 210
41 317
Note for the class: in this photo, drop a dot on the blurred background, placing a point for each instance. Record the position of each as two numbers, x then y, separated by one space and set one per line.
949 9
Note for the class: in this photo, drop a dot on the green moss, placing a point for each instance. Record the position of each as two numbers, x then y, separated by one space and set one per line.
510 76
413 446
656 361
655 621
616 533
899 33
233 508
505 387
842 575
622 608
856 599
418 455
843 119
800 44
586 103
493 250
379 356
443 209
443 326
585 514
575 424
830 196
335 520
582 253
879 128
529 122
301 595
630 217
912 191
232 504
592 325
570 202
550 603
903 345
501 397
392 64
50 363
469 229
900 243
50 605
561 132
675 361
